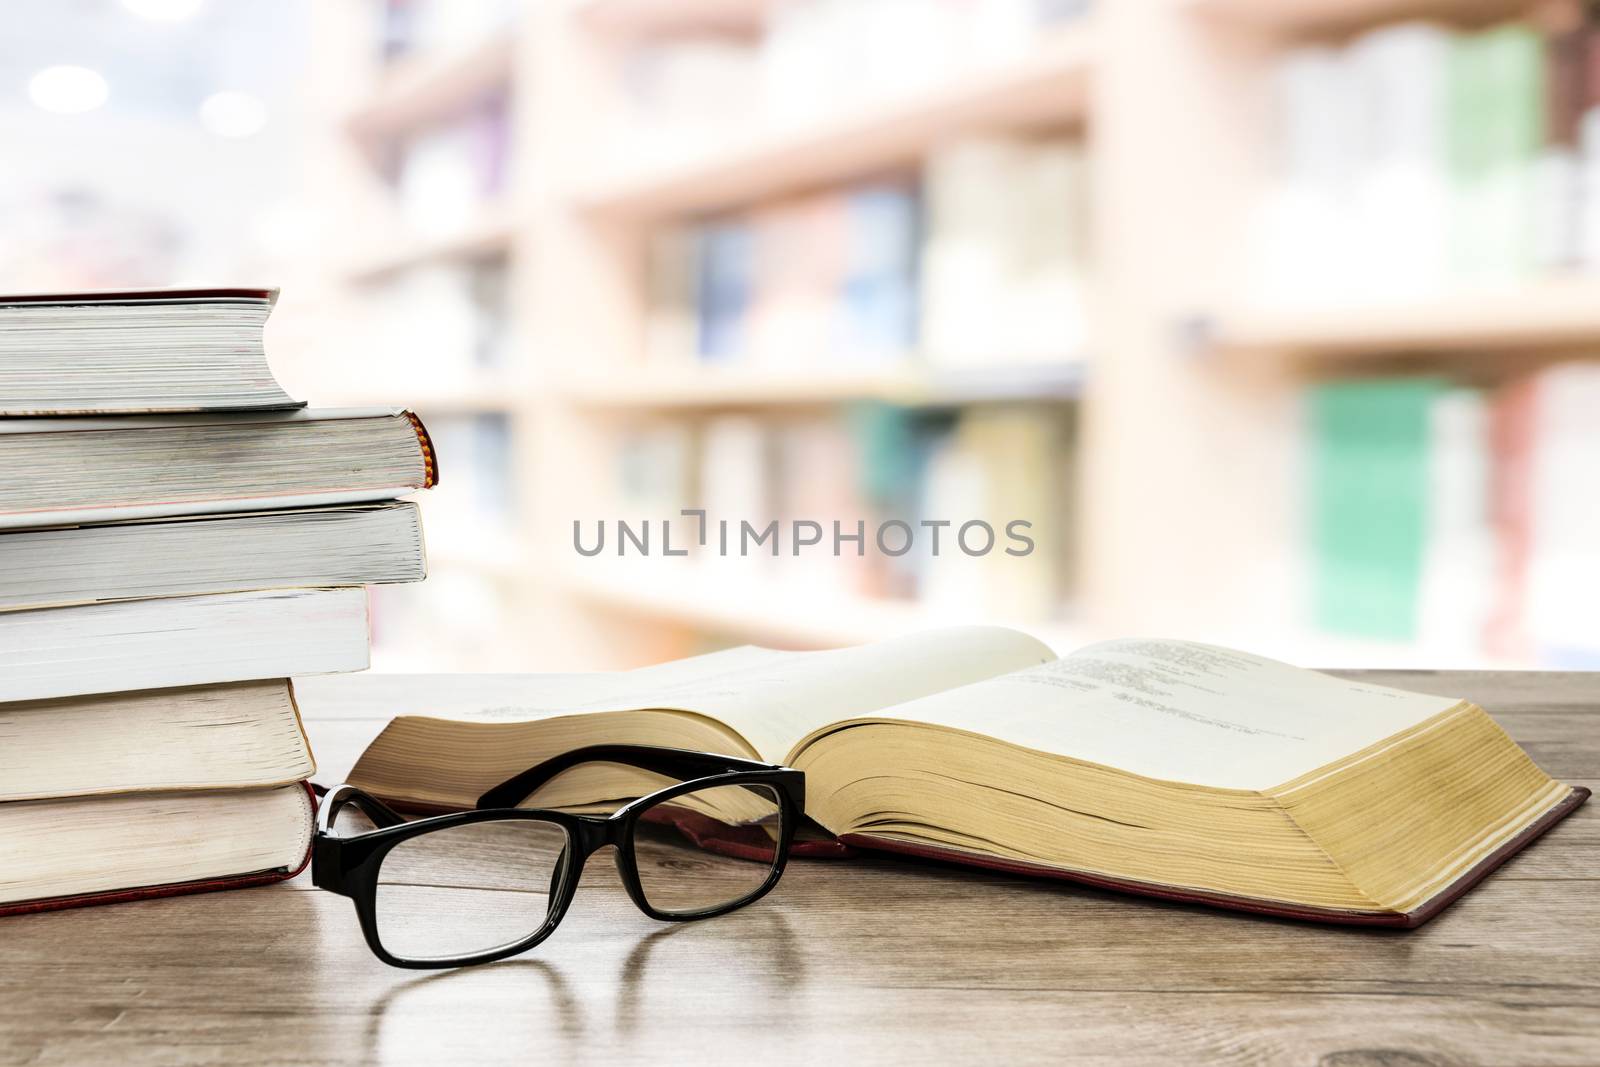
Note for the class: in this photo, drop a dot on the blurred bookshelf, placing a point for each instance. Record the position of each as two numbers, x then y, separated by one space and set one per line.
1009 252
1307 17
648 18
1044 87
414 91
912 387
490 235
1547 315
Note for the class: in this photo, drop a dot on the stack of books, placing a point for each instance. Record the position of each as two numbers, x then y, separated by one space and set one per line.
178 537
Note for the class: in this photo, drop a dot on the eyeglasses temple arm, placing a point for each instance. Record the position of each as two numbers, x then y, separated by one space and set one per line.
380 813
672 762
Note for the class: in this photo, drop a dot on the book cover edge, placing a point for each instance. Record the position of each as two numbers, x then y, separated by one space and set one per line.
172 889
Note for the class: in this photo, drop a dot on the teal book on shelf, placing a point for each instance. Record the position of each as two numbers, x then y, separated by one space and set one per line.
1369 499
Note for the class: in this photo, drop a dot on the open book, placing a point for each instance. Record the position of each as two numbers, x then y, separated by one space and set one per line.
1162 767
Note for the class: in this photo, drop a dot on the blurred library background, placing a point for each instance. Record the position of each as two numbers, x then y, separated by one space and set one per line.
1276 321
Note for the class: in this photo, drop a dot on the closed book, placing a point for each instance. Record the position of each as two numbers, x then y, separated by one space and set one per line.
195 640
723 288
95 470
238 735
1497 125
1557 194
125 796
1588 181
1401 187
1314 176
138 846
137 351
1456 594
1563 569
1512 434
877 316
1369 457
344 545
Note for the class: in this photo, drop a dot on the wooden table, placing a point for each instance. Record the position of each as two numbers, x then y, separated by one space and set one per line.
877 961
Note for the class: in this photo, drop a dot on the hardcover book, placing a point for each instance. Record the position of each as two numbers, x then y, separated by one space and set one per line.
1166 768
141 351
177 641
97 470
342 545
132 795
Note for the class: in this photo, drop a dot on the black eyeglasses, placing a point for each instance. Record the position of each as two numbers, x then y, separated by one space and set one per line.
482 885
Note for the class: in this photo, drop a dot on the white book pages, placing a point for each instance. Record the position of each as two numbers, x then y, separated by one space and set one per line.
337 546
83 845
63 358
106 469
235 736
153 644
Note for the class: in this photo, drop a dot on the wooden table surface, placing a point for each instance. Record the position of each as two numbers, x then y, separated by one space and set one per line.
876 961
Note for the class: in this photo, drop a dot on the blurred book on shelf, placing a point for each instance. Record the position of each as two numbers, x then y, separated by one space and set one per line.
448 175
444 326
685 93
808 61
1003 275
885 271
1419 159
413 27
475 519
1458 519
962 513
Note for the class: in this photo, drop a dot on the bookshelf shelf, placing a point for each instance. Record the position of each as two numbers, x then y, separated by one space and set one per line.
494 234
649 18
815 622
424 89
912 387
1046 88
1332 16
1554 314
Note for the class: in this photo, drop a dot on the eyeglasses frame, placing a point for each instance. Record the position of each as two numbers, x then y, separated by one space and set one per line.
349 866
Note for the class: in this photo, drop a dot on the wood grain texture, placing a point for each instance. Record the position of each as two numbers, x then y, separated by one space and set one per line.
873 961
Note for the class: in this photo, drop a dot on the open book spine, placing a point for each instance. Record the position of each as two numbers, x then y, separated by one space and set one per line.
1180 894
171 889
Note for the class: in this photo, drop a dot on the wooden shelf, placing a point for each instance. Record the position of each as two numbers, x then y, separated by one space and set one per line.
658 18
1046 88
1336 16
425 89
494 234
802 621
693 388
1553 314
